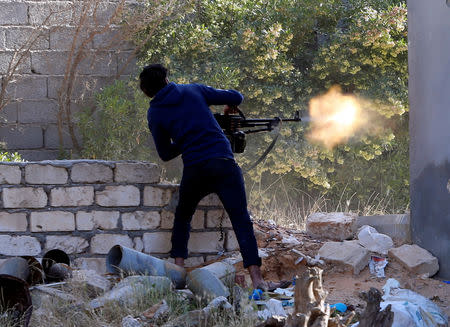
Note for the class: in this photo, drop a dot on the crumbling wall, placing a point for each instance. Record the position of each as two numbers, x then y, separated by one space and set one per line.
28 124
84 207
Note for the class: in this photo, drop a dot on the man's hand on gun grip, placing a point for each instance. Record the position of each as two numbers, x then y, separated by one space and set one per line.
230 109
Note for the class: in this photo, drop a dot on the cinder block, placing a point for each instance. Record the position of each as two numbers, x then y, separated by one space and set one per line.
112 39
331 225
138 244
140 220
69 244
19 245
97 219
10 174
91 173
24 197
45 174
99 63
13 222
167 218
136 172
62 37
26 87
49 62
51 137
347 254
231 243
127 63
102 243
59 13
2 38
52 221
9 113
158 242
157 196
118 196
83 88
96 264
72 196
198 220
211 200
39 155
205 242
18 37
13 13
191 261
416 259
24 66
37 111
213 218
22 137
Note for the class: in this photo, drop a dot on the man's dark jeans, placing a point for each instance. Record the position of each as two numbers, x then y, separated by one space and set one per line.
223 177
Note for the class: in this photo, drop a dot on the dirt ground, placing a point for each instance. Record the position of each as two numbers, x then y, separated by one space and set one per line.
343 286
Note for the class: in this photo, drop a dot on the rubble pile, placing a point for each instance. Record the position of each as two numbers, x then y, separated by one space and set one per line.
335 275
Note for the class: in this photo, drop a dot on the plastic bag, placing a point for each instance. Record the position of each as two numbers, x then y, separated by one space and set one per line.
373 241
410 308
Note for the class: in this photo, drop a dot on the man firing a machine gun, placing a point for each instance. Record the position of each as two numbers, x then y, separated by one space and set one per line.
181 122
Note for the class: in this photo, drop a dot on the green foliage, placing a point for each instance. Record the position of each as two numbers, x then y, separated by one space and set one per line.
280 54
116 129
10 156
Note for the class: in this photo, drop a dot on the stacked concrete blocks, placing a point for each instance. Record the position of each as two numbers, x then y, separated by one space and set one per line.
28 122
85 207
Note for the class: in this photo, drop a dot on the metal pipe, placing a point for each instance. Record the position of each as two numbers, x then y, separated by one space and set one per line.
17 267
122 259
15 299
36 271
51 258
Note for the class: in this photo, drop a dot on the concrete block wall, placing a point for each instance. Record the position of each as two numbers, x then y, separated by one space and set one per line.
84 207
28 122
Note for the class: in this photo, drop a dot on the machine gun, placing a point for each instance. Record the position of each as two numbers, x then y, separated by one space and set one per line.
232 125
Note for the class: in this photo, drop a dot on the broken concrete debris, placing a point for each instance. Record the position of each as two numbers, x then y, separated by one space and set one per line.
348 254
415 259
336 226
94 283
129 321
396 226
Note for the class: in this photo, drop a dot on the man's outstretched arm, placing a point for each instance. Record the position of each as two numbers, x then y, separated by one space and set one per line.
218 97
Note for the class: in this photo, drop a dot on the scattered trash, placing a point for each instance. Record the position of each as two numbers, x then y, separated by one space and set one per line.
446 281
256 295
373 241
377 265
341 307
285 291
289 239
410 308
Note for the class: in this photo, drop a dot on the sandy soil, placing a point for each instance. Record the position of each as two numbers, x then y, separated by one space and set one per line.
343 286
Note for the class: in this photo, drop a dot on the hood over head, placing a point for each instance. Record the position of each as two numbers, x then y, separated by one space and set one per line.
168 95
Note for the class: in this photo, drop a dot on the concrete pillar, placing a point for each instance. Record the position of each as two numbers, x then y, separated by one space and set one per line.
429 95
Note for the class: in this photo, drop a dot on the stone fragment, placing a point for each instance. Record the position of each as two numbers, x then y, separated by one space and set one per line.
45 174
129 321
416 259
102 243
10 174
396 226
42 293
85 172
157 196
157 310
118 196
54 221
132 289
69 244
205 242
191 318
97 219
158 242
92 281
19 245
348 254
24 197
72 196
13 222
139 220
136 172
337 226
373 241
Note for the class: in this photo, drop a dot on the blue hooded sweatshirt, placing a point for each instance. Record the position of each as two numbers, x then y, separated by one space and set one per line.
181 122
